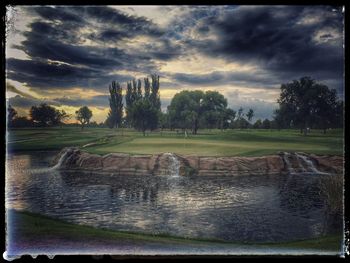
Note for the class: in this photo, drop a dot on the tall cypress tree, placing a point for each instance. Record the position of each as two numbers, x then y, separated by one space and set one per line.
155 97
116 104
139 89
147 87
129 100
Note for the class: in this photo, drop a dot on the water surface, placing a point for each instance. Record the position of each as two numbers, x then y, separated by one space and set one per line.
243 208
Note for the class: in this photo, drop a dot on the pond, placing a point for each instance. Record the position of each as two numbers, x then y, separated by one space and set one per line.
270 208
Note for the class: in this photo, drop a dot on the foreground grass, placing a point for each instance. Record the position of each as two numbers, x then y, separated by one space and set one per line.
27 228
206 143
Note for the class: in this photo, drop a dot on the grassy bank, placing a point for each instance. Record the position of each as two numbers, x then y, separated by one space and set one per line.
29 231
206 143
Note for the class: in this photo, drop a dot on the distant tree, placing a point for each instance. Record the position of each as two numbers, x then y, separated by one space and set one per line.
185 110
194 109
210 119
274 125
241 122
281 121
240 113
163 120
325 107
62 116
116 104
93 124
338 120
147 87
144 115
306 103
154 96
213 107
83 115
137 89
22 122
257 124
250 114
266 124
229 118
129 101
44 115
11 115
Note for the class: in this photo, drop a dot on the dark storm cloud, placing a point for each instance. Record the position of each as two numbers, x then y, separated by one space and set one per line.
25 102
39 47
276 39
128 25
112 35
60 33
43 75
52 13
222 78
98 101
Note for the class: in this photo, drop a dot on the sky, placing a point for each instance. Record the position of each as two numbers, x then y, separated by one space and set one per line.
66 56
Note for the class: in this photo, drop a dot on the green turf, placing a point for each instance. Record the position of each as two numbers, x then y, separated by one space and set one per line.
27 227
205 143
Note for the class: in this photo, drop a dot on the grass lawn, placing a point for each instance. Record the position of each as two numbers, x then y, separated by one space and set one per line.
34 233
205 143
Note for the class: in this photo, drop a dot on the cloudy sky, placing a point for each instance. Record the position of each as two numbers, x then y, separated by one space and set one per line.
67 56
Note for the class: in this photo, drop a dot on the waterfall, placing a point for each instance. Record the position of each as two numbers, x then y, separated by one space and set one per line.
288 164
63 157
174 165
299 163
308 164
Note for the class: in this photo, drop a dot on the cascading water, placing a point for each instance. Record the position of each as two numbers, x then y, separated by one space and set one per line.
61 160
301 163
174 165
308 164
286 157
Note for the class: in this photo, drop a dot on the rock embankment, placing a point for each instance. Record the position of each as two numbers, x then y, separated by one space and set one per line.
169 163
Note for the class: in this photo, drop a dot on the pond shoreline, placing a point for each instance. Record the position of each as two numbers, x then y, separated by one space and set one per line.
31 233
74 158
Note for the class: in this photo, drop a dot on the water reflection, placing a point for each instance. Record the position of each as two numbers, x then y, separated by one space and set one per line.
247 208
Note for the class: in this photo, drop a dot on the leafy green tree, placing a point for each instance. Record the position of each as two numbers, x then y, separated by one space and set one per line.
257 124
83 115
250 114
306 103
325 107
213 107
163 120
229 118
338 120
129 101
137 89
11 115
194 109
116 105
266 124
185 110
44 115
147 87
61 116
21 122
154 96
240 113
144 115
241 122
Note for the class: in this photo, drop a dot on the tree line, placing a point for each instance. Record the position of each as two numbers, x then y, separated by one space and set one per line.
306 104
142 108
45 115
303 104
